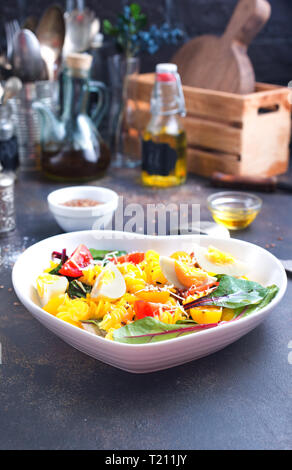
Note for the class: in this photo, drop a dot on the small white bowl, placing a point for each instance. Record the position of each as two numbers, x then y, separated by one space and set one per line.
72 219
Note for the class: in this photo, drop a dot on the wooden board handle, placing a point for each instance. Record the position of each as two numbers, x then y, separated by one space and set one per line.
247 20
223 180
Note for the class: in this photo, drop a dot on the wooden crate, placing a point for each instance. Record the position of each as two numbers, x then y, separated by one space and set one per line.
236 134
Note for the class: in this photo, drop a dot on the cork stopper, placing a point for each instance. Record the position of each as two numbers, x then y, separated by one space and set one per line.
79 61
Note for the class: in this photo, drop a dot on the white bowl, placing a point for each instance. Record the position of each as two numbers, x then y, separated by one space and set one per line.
142 358
72 219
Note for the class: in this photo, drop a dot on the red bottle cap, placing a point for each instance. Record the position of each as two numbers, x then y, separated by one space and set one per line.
165 77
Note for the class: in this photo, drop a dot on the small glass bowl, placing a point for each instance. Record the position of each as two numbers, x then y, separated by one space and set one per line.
235 210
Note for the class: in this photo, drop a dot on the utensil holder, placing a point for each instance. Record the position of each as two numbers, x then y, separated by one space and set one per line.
25 119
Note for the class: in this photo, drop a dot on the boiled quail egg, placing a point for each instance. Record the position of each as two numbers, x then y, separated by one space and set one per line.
109 284
216 261
183 275
49 286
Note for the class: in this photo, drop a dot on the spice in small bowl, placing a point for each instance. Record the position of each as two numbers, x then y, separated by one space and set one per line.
82 202
83 207
235 210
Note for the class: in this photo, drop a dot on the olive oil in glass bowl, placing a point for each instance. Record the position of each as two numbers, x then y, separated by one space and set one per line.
235 210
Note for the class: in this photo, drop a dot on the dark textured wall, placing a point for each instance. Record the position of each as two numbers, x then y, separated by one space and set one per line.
271 52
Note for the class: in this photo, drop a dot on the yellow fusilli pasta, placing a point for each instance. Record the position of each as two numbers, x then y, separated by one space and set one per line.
98 308
89 275
171 317
117 317
76 309
134 277
153 269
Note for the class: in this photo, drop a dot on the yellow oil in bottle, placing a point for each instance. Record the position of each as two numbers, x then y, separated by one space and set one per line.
166 177
164 143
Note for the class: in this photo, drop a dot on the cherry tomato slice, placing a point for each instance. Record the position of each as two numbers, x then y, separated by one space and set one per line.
134 258
79 259
194 290
144 309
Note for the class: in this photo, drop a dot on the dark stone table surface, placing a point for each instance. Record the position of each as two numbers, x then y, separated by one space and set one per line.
54 397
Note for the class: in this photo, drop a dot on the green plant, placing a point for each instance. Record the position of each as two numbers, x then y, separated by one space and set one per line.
131 38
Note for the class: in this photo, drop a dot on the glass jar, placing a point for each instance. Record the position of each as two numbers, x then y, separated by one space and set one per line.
71 147
122 130
7 216
8 142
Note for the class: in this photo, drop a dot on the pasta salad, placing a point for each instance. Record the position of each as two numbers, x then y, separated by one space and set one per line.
144 297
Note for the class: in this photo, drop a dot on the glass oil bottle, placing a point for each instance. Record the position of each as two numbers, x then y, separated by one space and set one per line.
164 143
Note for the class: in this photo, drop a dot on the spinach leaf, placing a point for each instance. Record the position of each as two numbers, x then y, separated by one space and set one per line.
232 293
233 284
56 269
93 327
186 321
271 293
78 289
150 330
100 254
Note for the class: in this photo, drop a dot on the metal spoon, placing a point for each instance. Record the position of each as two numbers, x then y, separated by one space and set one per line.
94 29
30 23
1 92
5 68
287 263
12 87
27 62
51 34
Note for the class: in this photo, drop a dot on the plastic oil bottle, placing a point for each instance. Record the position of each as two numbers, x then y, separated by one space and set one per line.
164 142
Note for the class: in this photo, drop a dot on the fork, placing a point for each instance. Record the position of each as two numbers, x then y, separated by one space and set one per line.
11 28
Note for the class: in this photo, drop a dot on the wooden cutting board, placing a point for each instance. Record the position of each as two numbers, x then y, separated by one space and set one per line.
222 63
